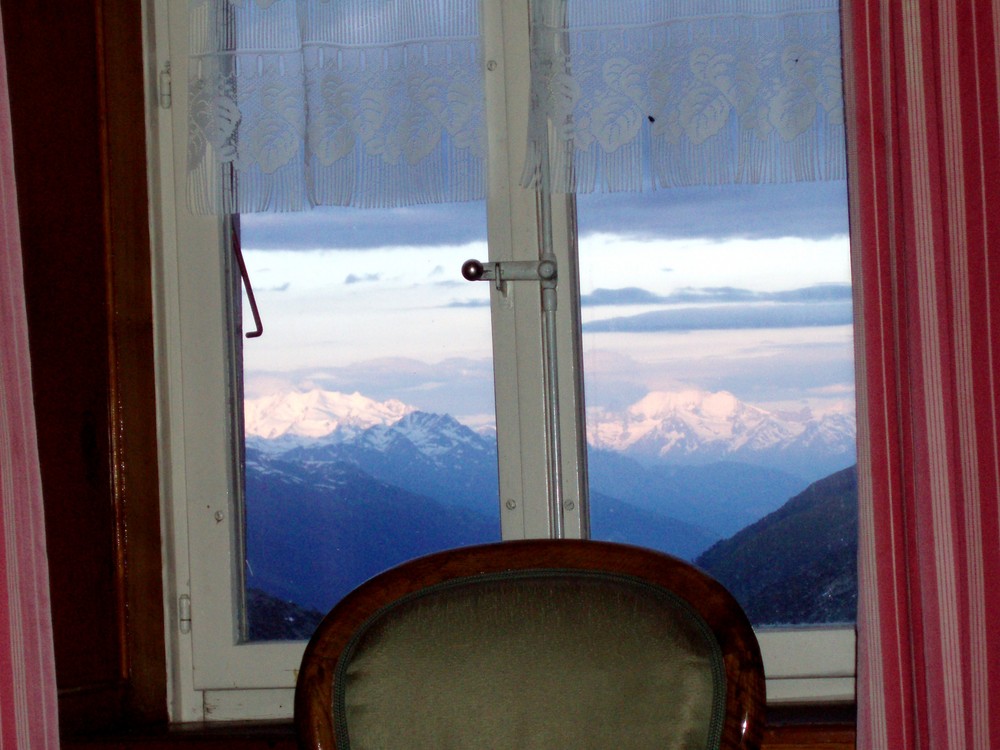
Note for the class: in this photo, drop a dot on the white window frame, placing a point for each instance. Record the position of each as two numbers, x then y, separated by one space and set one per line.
211 674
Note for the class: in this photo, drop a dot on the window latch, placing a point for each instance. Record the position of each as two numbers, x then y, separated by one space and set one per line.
544 271
184 613
166 98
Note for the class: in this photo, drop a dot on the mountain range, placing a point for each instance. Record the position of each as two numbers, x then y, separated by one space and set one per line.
686 427
339 486
693 426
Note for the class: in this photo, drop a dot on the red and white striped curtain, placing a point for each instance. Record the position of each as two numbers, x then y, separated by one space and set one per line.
28 713
924 86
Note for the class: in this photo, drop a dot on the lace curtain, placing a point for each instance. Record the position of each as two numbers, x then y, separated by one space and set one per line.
685 92
297 103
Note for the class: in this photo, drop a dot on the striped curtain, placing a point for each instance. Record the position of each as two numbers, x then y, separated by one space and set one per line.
924 84
28 716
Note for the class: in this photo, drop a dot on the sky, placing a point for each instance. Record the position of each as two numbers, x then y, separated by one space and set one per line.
745 289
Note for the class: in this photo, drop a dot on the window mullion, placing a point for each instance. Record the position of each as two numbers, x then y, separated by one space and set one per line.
515 228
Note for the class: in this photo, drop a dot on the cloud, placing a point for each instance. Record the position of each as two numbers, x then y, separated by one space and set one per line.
816 210
353 278
729 317
810 209
715 295
820 373
790 368
816 293
365 229
627 296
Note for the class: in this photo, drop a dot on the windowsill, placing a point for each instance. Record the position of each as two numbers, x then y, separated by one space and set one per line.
830 727
273 735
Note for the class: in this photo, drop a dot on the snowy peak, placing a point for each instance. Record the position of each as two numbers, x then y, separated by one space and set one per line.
719 405
699 415
674 421
318 413
430 434
435 433
699 425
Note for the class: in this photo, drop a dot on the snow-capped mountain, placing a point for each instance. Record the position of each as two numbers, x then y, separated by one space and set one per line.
317 414
434 435
683 427
430 454
699 426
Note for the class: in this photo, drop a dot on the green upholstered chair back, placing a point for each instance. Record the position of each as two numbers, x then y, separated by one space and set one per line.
538 644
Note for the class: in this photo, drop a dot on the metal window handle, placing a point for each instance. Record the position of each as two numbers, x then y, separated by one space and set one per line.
545 271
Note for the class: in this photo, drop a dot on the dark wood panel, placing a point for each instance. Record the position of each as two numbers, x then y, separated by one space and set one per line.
75 73
57 166
134 476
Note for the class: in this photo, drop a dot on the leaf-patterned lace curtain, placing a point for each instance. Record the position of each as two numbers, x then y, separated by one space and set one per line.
665 93
298 103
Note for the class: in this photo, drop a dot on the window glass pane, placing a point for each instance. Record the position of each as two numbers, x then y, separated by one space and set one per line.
369 414
718 352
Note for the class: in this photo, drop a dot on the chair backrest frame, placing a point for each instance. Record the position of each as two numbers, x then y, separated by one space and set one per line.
745 691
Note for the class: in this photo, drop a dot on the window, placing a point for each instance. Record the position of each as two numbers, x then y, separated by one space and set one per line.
216 672
368 403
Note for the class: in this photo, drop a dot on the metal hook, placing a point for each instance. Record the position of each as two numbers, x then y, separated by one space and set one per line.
245 275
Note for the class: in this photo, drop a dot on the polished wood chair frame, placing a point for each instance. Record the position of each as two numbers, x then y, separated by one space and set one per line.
742 722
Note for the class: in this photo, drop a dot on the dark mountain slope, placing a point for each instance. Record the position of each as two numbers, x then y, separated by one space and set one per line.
270 619
615 520
797 565
310 541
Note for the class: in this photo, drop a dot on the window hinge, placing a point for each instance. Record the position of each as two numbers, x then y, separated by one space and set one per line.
184 613
165 86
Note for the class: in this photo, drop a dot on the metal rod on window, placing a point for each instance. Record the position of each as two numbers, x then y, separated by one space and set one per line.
245 275
550 370
549 304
